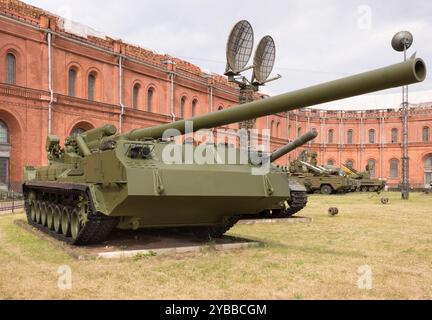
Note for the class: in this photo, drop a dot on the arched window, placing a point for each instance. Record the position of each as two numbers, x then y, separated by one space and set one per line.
299 131
10 69
220 108
72 82
330 136
136 96
91 86
371 136
4 158
278 129
272 128
350 137
4 135
394 168
182 107
394 135
330 162
77 131
194 107
428 163
426 134
350 164
4 172
150 96
428 171
371 167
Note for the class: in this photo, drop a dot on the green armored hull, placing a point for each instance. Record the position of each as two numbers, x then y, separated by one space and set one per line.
100 180
363 181
325 184
370 185
317 179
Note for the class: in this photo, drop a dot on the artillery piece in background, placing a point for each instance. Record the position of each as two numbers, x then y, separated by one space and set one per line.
100 180
363 180
319 179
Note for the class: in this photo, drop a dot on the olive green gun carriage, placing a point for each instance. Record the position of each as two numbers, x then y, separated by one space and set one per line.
363 180
337 171
370 185
100 180
319 179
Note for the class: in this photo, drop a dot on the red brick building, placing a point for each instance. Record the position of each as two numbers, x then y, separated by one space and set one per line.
53 80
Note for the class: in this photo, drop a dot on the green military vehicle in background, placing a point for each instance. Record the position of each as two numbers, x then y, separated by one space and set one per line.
101 180
317 178
363 180
337 171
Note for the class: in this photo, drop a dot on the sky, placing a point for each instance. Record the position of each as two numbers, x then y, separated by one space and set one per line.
316 41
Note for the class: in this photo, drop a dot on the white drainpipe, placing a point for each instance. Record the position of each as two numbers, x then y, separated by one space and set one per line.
121 93
211 110
211 99
173 116
50 87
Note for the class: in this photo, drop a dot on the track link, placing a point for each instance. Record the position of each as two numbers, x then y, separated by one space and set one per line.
298 202
94 229
214 232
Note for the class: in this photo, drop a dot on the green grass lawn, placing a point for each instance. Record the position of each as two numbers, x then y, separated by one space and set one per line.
320 260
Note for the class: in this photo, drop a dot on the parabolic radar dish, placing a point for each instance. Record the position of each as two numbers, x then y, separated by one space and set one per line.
240 46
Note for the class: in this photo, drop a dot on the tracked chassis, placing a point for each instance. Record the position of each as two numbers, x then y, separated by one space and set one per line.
99 180
66 212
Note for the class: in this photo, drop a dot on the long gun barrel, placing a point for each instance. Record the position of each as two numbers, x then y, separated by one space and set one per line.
396 75
85 139
354 171
293 145
349 170
321 167
313 168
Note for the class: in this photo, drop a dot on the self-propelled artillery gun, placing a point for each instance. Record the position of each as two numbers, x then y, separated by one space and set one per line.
101 180
363 180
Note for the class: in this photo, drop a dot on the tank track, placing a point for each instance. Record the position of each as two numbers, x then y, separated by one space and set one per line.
94 230
371 188
298 202
214 232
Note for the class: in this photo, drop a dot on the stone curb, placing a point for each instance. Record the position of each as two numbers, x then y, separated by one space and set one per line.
78 254
175 250
295 220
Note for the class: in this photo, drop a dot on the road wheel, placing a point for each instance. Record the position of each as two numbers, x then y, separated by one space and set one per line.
50 217
65 222
33 210
75 224
326 189
43 214
38 212
57 219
